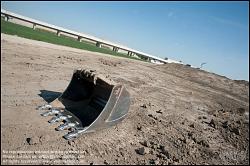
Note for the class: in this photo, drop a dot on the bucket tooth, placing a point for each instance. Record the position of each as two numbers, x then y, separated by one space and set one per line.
51 112
58 118
44 107
72 135
65 126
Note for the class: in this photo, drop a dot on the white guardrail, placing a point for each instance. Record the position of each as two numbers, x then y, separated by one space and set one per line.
99 41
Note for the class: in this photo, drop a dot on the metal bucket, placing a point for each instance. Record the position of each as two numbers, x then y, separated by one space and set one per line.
89 103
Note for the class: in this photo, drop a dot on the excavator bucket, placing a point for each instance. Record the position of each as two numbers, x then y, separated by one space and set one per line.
89 103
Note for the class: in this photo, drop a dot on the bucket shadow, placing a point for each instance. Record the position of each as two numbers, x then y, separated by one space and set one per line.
49 96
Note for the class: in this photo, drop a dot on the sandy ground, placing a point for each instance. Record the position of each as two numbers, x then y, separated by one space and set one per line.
178 115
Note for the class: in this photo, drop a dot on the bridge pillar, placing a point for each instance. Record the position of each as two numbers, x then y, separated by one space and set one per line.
6 18
115 49
130 53
79 38
58 33
34 26
98 44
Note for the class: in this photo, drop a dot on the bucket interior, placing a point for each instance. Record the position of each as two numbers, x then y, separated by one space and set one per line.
85 99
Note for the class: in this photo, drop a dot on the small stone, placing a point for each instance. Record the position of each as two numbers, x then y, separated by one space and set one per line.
236 131
152 161
71 142
139 128
190 134
44 138
154 146
150 115
131 143
183 139
32 141
241 110
160 147
144 106
204 117
161 156
122 154
175 159
221 110
192 125
165 152
239 122
212 123
145 143
105 162
92 71
152 152
159 111
225 124
28 140
151 142
204 143
59 57
142 151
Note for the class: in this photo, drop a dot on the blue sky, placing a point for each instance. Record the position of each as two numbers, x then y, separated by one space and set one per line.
194 32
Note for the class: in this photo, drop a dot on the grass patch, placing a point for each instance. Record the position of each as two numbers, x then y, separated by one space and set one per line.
50 37
44 30
62 35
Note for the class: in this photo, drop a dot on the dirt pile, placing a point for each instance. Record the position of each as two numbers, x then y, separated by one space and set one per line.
178 114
